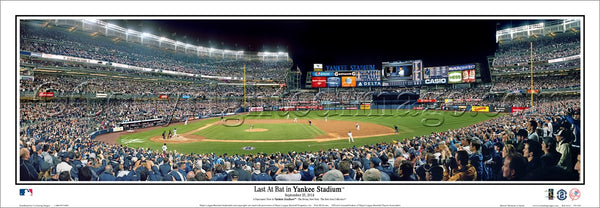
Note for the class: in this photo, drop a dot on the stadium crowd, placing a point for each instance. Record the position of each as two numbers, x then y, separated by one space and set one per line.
540 143
546 48
541 83
89 84
62 42
539 67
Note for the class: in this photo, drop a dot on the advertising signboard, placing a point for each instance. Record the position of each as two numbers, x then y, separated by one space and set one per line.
454 77
319 82
348 81
333 82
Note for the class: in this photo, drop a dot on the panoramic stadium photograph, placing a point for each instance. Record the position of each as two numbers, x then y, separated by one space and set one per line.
343 100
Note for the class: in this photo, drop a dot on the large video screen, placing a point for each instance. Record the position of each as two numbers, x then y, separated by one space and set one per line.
402 73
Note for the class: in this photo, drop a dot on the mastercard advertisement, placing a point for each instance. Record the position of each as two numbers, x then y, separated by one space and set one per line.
348 81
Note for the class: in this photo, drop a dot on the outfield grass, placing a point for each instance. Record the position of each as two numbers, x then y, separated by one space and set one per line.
275 132
411 123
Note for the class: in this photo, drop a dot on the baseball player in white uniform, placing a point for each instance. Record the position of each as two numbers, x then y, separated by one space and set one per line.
350 138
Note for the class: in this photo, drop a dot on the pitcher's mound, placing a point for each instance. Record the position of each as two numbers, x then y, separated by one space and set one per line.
256 130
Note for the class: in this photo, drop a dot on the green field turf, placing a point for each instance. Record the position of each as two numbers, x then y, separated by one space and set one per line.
276 132
411 123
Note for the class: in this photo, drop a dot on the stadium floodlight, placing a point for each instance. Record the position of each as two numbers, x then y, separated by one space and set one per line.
162 39
145 34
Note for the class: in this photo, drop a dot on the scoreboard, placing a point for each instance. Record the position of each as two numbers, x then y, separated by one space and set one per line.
392 74
333 79
402 73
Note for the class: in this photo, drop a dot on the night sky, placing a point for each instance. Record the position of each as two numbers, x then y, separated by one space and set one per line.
436 42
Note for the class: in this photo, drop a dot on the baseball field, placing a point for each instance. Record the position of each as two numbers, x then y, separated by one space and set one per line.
277 132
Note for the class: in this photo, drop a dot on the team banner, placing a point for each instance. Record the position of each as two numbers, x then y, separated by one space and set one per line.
480 108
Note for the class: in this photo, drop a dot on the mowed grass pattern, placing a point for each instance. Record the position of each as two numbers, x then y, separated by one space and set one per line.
275 132
411 123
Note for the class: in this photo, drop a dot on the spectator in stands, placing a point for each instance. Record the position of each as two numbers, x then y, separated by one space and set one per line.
515 167
564 148
27 171
464 172
372 174
260 174
333 175
551 156
107 174
291 174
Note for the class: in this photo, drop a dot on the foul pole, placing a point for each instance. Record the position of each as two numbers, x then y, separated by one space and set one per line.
531 67
244 86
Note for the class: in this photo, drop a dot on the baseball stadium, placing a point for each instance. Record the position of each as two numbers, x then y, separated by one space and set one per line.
110 100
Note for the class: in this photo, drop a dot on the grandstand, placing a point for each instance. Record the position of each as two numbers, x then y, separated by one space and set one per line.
82 80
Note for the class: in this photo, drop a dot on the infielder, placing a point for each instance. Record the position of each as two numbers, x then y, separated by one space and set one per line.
175 132
357 126
296 120
350 138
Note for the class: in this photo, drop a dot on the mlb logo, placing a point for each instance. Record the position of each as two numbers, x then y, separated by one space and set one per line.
22 192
